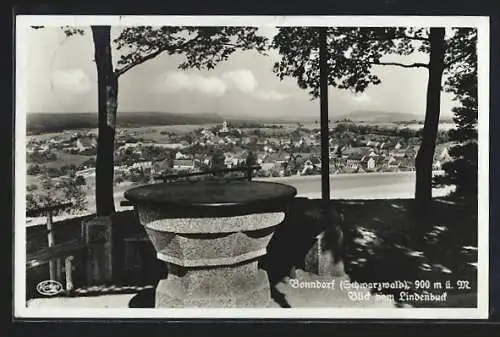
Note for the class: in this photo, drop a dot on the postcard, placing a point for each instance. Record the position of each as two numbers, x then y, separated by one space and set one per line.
255 166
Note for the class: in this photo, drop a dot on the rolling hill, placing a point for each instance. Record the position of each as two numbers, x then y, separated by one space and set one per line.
56 122
369 116
380 116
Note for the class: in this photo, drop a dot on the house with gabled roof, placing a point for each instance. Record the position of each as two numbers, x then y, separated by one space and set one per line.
85 143
183 164
354 160
372 164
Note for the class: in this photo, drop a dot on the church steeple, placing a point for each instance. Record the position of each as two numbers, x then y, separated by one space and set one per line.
224 127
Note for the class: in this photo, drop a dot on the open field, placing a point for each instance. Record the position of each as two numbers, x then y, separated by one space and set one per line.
153 134
151 131
45 136
64 158
35 180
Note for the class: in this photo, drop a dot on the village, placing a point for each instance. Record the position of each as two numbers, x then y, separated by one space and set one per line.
279 154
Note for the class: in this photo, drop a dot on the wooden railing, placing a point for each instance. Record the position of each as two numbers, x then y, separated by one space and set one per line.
248 170
55 253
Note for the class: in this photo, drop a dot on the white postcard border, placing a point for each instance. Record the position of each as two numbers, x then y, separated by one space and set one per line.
23 22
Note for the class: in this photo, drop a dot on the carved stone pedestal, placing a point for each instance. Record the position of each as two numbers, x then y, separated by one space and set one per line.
211 235
213 266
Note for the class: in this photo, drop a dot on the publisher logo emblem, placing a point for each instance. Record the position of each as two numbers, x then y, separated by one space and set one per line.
49 288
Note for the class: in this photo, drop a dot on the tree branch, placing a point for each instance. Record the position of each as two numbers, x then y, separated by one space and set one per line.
398 37
413 65
121 71
418 38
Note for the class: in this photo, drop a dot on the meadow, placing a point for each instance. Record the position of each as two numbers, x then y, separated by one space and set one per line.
64 158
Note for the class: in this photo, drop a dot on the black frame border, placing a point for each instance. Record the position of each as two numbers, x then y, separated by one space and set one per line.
130 327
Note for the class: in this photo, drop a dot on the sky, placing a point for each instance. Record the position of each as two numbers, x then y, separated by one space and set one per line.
61 77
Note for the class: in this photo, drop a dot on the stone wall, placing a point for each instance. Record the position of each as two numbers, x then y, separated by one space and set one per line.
133 257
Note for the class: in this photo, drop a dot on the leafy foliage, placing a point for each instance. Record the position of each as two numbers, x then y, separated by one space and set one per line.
55 192
461 54
293 163
461 171
251 159
39 157
353 51
352 54
70 31
203 47
338 153
217 160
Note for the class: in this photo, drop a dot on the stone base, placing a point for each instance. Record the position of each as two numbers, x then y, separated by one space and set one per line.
97 233
323 259
225 288
212 261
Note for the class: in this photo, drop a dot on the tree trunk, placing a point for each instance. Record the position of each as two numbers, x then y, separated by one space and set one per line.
107 105
324 124
425 156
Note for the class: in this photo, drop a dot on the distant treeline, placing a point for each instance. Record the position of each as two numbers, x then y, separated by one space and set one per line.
404 134
253 125
57 122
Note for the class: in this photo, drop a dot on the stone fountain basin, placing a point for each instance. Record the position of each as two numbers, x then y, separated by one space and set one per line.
191 242
211 235
210 223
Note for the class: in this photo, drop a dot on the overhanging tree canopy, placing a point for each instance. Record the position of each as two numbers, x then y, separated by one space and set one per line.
462 170
202 47
352 54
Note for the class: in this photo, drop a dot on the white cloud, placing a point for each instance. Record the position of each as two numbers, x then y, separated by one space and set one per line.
271 95
209 85
362 98
71 80
243 80
177 81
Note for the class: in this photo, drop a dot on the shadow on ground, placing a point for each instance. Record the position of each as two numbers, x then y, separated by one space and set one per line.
385 240
143 299
389 240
